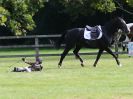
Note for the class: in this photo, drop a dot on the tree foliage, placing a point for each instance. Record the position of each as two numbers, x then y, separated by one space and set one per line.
76 8
17 14
3 13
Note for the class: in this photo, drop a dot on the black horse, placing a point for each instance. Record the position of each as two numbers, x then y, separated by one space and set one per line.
75 38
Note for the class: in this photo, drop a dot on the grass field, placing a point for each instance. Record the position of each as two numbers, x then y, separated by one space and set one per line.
106 81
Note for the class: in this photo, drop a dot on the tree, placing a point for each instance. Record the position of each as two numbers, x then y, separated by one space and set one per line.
59 15
77 8
17 14
3 14
83 7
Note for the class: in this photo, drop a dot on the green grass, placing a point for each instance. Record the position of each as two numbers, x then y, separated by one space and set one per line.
106 81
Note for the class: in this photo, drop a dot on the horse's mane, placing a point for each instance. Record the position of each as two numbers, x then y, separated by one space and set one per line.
113 20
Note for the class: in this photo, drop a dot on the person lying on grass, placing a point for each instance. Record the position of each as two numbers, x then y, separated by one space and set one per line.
34 66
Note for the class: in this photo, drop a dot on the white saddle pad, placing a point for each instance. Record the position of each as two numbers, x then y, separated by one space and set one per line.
87 34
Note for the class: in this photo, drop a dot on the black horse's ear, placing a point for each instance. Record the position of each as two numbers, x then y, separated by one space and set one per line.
121 16
113 16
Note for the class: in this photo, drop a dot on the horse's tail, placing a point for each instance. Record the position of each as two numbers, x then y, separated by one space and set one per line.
59 42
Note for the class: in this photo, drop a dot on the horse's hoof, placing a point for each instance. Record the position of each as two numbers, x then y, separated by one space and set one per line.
94 65
59 65
120 65
82 64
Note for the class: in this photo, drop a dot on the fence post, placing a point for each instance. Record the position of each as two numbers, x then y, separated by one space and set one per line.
36 47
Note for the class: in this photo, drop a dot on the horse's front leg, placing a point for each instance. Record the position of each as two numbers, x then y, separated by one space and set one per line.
116 58
65 52
98 57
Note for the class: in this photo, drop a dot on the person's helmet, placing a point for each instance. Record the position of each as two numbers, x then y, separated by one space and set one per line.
39 60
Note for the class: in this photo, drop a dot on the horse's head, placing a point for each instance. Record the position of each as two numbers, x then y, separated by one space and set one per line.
121 24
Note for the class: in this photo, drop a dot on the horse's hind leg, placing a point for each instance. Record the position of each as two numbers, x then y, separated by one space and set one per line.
65 52
76 50
116 58
98 56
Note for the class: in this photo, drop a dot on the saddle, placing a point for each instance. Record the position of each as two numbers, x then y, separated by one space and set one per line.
92 33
